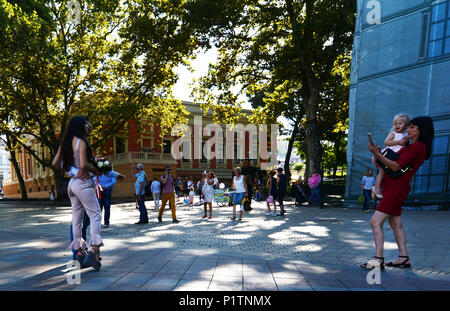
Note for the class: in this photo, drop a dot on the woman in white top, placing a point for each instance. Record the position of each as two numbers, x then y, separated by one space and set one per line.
241 191
208 193
367 183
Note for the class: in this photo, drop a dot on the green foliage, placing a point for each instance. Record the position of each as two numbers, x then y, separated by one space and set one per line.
298 167
290 58
282 55
115 65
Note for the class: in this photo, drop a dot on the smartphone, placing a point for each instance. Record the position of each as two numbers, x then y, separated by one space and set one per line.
370 138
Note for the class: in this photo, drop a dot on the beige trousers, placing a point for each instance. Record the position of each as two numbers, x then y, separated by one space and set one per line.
83 198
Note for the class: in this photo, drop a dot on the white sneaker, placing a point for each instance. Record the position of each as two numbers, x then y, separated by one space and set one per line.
269 214
272 214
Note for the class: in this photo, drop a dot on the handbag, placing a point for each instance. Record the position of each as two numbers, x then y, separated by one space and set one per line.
393 156
246 203
361 199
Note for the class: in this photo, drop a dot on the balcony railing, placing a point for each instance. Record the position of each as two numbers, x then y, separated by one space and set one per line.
144 157
166 158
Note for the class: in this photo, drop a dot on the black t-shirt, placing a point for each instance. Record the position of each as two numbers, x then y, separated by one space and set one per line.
282 185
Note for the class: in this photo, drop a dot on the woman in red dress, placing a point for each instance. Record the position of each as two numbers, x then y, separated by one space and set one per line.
395 191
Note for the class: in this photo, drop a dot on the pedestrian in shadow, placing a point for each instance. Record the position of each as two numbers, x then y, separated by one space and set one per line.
367 183
139 187
272 199
281 189
314 184
299 193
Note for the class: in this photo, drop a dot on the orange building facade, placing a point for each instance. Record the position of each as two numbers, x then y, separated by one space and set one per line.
131 146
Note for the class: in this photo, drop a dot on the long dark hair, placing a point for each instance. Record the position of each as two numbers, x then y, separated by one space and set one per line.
426 132
76 128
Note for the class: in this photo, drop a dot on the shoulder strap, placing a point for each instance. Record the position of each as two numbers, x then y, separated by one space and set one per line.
77 144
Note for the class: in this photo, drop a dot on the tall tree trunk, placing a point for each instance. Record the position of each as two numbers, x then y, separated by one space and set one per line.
337 147
12 152
312 147
310 85
287 159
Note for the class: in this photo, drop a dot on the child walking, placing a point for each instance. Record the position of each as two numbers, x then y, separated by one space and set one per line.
396 140
191 197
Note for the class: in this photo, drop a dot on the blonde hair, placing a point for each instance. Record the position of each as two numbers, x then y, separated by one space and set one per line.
238 169
405 118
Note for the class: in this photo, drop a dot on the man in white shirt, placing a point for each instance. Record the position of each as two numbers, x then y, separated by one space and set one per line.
156 190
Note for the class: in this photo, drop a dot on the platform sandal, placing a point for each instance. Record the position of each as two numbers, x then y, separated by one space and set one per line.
80 258
404 264
370 266
91 261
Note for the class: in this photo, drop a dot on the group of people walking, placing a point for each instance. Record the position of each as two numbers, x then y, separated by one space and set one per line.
411 138
205 187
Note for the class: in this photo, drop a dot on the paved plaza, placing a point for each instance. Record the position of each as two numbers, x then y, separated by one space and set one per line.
308 249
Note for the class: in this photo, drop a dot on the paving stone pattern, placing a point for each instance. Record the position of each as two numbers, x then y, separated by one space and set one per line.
307 249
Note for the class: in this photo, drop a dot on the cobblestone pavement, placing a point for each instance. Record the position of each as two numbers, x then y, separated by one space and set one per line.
307 249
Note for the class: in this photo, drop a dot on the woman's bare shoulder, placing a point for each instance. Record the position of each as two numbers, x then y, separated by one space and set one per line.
75 139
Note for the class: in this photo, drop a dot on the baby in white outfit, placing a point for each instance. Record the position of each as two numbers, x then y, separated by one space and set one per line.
396 140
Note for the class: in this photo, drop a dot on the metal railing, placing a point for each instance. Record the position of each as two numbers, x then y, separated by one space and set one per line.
145 157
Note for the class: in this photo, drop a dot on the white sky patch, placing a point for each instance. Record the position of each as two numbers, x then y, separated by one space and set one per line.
183 88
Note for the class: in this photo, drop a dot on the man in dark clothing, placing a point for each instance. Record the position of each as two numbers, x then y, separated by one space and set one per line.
282 189
299 193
